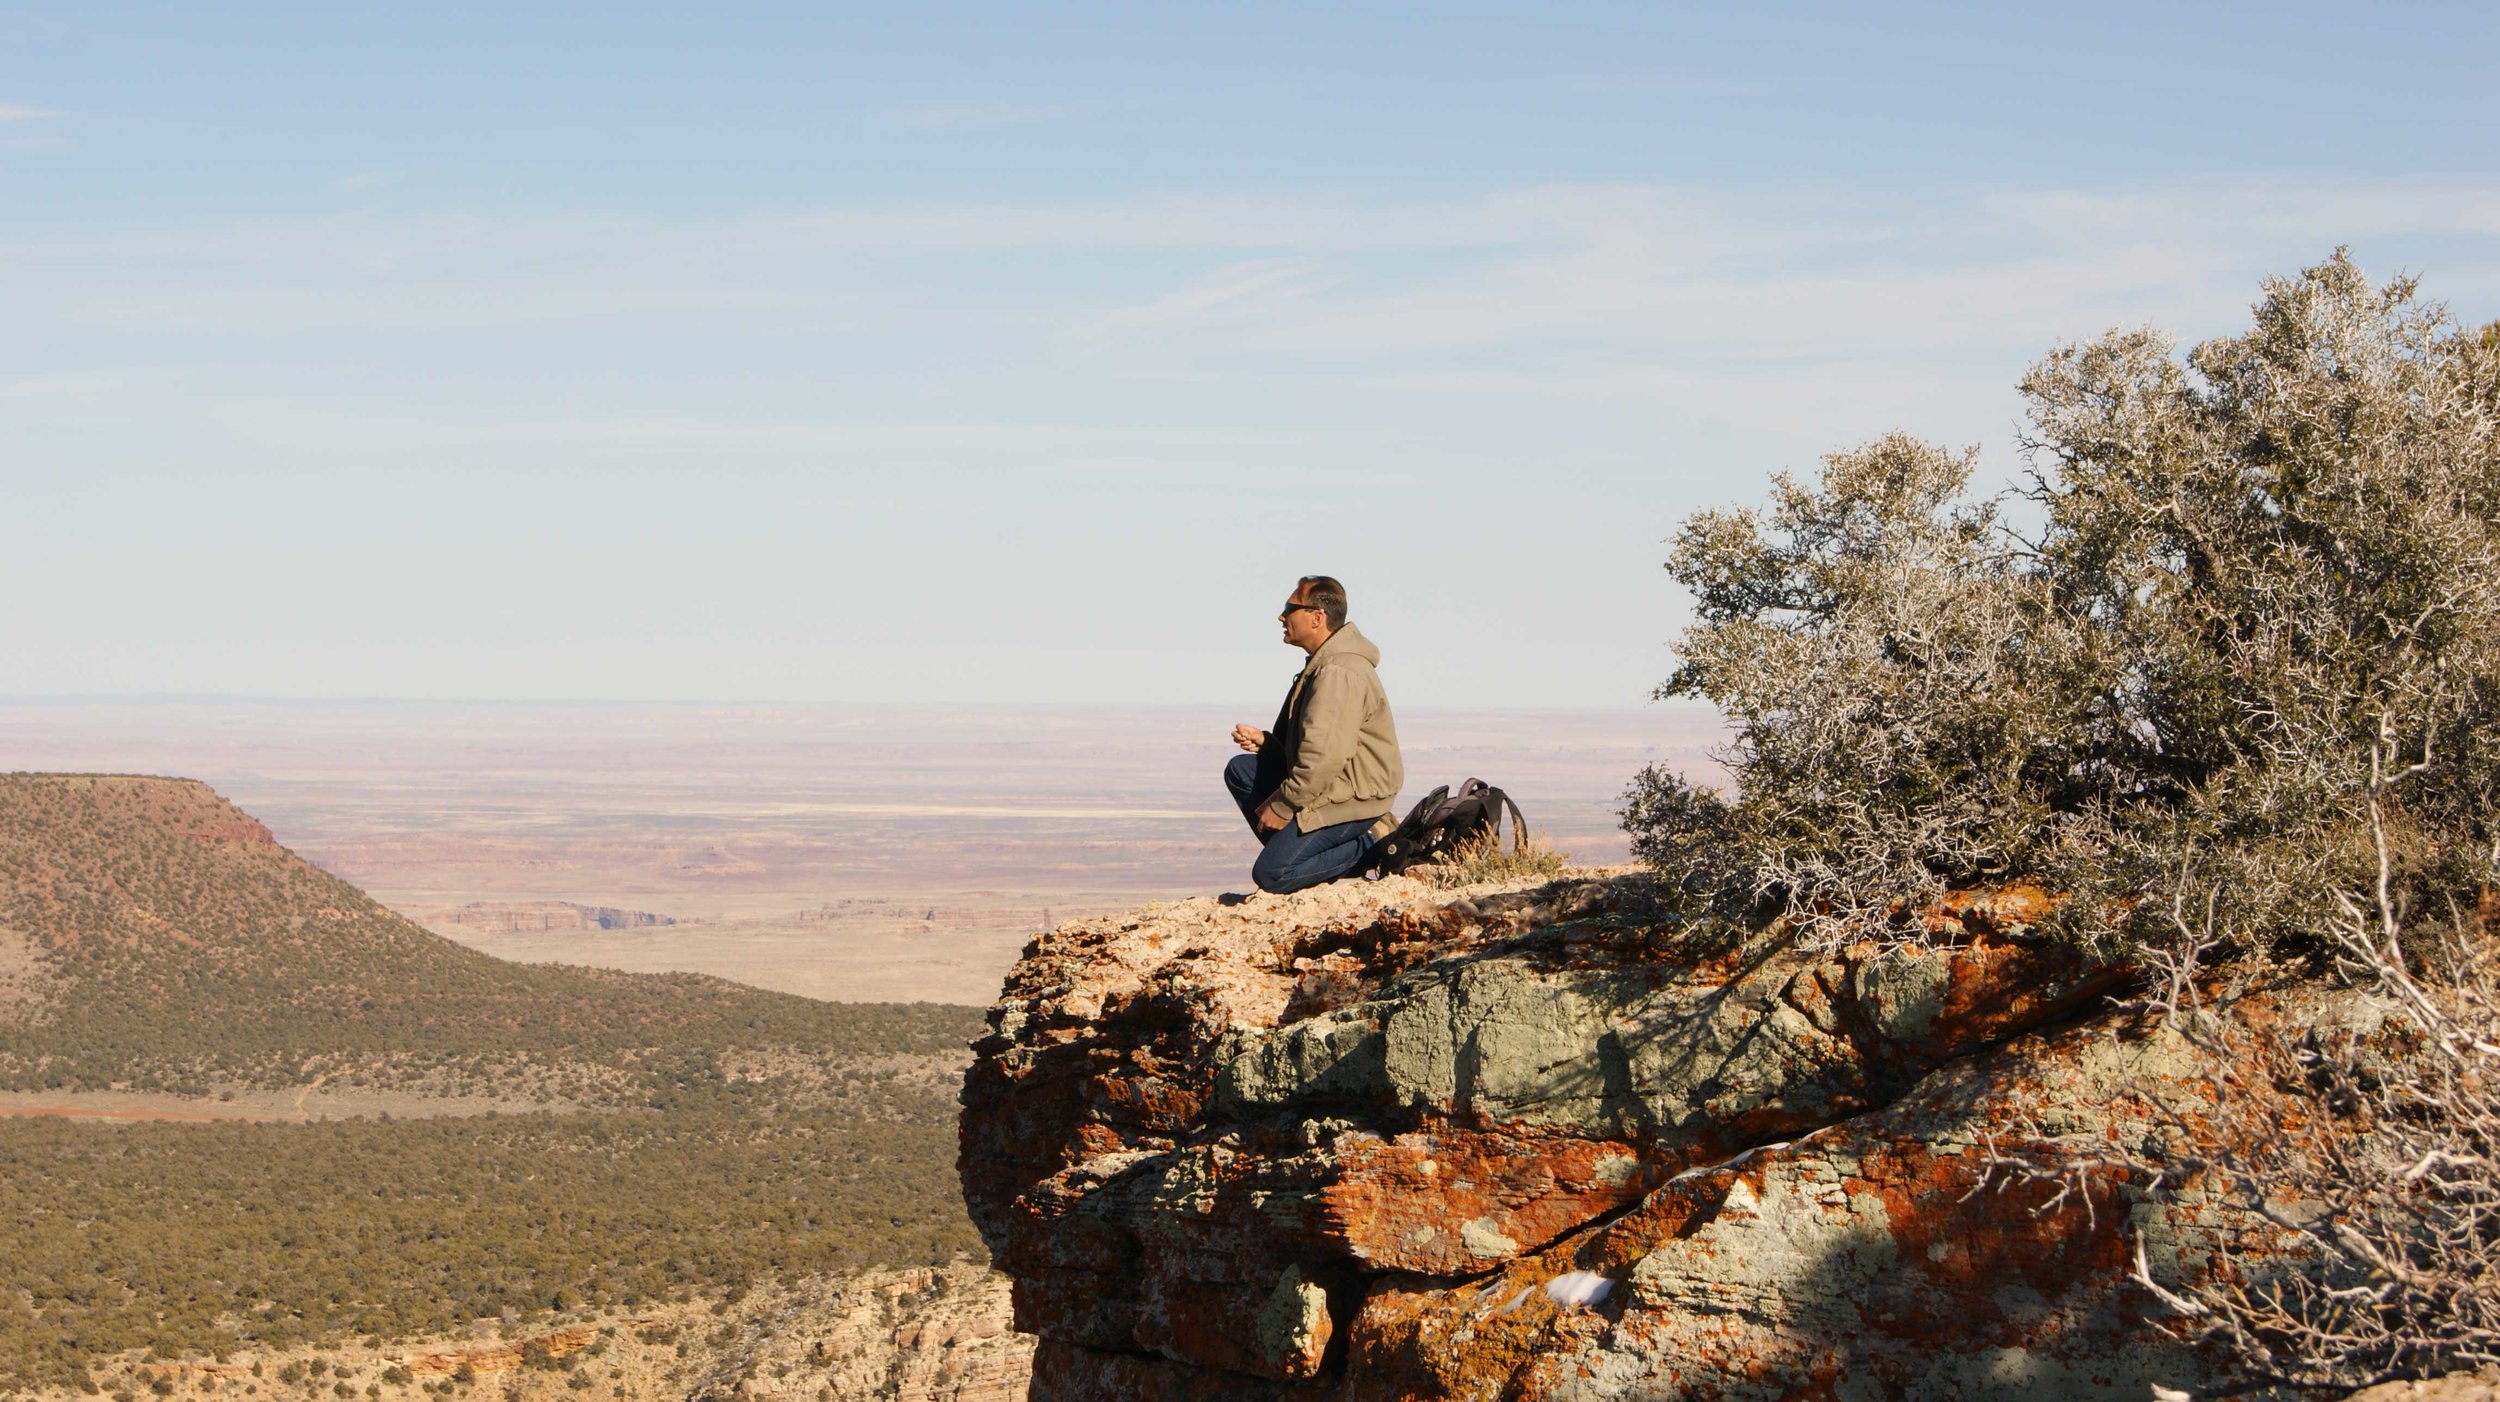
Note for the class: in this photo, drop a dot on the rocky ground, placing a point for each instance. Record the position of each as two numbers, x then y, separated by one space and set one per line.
1386 1141
930 1335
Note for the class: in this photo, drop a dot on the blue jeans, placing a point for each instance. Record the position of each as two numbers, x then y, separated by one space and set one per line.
1291 859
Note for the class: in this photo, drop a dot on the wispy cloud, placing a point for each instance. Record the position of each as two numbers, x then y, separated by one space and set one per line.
1597 278
977 116
73 385
1626 293
934 385
1678 85
1239 292
14 114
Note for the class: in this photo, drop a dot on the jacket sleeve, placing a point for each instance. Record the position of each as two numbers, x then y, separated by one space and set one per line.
1332 723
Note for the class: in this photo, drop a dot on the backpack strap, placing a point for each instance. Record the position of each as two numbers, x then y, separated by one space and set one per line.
1425 809
1397 849
1497 800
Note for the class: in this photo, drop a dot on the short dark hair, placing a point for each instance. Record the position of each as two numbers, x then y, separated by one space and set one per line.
1328 594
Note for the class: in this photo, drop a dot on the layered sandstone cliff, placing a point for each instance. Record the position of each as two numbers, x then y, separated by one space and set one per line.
529 917
1383 1141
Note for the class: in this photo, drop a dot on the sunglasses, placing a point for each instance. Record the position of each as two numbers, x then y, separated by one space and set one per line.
1290 606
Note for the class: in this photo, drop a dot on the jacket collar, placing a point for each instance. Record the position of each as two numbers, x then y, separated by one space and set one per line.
1345 642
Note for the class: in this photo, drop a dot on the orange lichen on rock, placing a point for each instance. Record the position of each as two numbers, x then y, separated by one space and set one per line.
1384 1141
1451 1201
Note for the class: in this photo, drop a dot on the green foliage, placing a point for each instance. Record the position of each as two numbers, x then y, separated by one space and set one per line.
744 1134
190 1238
2251 657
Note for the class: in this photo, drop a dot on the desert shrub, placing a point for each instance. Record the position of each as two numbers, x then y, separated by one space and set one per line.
2357 1139
2244 602
2384 1192
1485 858
2224 675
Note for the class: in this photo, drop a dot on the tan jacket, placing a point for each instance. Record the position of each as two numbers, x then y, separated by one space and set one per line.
1347 764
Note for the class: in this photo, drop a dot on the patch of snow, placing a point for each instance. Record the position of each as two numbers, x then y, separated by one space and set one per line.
1579 1288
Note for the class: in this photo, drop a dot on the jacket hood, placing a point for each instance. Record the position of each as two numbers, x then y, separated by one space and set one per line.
1347 642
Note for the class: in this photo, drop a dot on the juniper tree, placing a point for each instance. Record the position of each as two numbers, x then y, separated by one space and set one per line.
2259 575
2233 697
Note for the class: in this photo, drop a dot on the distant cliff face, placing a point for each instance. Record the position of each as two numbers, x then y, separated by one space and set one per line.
152 934
517 917
1381 1142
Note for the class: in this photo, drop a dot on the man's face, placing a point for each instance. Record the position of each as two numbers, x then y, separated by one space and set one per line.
1306 625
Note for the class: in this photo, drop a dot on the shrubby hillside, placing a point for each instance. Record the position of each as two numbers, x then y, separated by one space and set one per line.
175 945
700 1138
204 1239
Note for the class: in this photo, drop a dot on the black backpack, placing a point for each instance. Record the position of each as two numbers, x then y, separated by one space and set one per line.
1444 821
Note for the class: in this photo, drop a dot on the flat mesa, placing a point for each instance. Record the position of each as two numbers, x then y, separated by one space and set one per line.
784 846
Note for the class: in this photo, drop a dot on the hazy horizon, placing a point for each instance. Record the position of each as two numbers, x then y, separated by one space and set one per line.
171 698
798 845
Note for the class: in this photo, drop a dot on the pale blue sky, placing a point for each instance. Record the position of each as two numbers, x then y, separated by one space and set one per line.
1018 354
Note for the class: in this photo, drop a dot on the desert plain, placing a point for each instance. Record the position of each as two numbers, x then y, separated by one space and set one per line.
851 853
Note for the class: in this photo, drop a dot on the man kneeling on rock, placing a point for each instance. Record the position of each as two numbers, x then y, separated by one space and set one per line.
1319 787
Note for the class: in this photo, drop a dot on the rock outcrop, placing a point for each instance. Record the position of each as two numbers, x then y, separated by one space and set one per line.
1383 1141
921 1334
